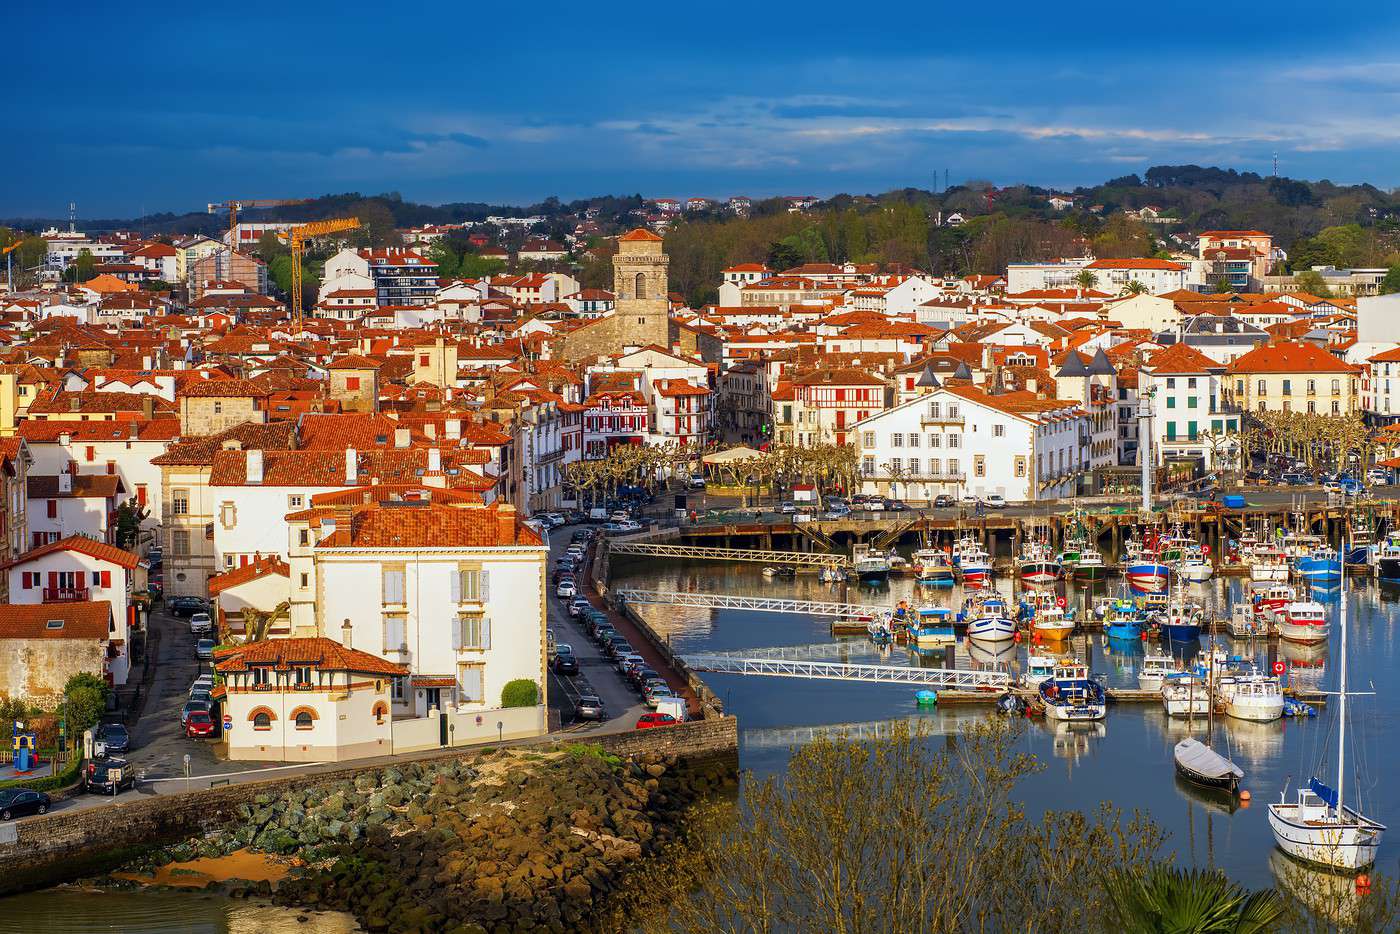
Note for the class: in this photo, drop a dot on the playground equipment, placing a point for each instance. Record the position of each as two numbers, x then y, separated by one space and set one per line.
26 757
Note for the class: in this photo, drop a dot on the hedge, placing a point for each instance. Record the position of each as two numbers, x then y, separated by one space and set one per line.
522 692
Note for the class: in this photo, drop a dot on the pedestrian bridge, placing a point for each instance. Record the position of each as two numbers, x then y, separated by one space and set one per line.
721 601
948 678
805 559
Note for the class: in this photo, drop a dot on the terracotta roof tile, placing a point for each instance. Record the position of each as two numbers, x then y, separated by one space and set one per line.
90 619
319 652
81 544
261 567
428 525
1290 357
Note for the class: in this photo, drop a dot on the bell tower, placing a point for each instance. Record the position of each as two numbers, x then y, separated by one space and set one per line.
641 306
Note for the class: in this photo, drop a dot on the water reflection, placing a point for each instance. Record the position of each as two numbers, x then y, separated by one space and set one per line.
81 910
1332 897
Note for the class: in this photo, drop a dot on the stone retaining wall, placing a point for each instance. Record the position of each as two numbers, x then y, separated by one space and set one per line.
71 844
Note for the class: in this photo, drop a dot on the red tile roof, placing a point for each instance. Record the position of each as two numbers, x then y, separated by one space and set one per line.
1290 357
261 567
1143 263
1182 358
319 652
84 486
639 234
81 544
90 619
411 525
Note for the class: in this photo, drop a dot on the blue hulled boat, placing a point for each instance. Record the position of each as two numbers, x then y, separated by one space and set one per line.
1319 566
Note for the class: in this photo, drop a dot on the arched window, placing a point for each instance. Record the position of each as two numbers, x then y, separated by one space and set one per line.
381 710
304 718
639 290
262 718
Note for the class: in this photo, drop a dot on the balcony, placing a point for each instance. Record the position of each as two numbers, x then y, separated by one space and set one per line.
65 594
952 420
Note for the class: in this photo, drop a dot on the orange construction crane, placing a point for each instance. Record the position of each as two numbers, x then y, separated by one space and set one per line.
243 204
296 239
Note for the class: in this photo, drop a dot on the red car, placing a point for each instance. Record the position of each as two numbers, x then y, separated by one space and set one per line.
648 720
199 723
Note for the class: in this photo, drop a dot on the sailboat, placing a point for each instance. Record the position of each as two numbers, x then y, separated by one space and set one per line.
1197 762
1317 826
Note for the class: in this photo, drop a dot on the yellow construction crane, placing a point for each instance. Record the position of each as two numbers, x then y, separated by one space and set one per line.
243 204
296 239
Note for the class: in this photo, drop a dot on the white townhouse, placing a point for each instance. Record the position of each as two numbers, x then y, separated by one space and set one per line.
961 440
1157 276
1190 418
456 593
123 449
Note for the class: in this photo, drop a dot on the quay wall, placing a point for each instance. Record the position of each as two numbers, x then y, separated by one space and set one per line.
67 845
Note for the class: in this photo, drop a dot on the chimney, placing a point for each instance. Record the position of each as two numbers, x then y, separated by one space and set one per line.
430 429
148 407
74 403
505 524
254 465
346 630
146 362
352 466
434 460
65 439
453 429
65 482
400 437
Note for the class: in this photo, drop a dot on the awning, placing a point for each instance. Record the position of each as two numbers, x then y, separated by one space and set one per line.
434 681
731 456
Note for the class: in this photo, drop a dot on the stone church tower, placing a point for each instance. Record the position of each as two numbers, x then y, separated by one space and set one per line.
639 288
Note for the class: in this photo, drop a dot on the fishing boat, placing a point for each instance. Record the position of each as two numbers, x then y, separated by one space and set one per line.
1319 566
1388 558
1185 694
1090 566
1317 826
1146 573
988 618
1070 695
1195 566
932 627
975 565
1038 564
933 567
1246 623
1267 562
1181 623
782 572
1302 621
1269 598
1155 668
1199 764
1053 623
1255 696
1122 620
1038 668
872 567
881 630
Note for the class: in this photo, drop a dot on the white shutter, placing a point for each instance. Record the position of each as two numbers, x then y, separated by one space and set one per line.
456 586
457 642
485 585
486 633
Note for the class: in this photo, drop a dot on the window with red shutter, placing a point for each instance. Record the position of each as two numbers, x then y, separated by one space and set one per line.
24 578
91 453
141 494
111 467
106 579
424 360
53 509
352 383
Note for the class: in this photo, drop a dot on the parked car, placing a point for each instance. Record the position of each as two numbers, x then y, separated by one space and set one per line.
1296 479
837 512
186 606
649 721
626 663
108 776
896 505
565 665
654 694
21 802
589 707
154 557
114 738
565 589
200 623
1352 487
204 649
697 483
640 676
199 724
616 647
994 501
787 508
943 500
191 707
577 605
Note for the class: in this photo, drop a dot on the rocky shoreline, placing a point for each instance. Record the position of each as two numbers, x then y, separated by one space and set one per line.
517 839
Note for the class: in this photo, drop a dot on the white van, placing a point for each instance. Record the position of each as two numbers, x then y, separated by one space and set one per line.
675 706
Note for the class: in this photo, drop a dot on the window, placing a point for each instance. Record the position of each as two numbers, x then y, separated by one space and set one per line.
1239 386
352 383
933 409
1288 387
1337 407
473 631
1171 431
381 710
1336 386
1191 382
53 508
295 501
1312 407
305 719
1191 431
1262 387
304 537
933 467
935 441
1191 402
395 632
1312 387
218 408
1171 402
393 585
470 584
1171 382
1020 465
867 465
424 360
301 676
180 502
998 431
180 543
262 719
397 688
867 439
895 466
897 440
954 441
952 466
470 683
952 410
979 465
913 465
305 581
913 441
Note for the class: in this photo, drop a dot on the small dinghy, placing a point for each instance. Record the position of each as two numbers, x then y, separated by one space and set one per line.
1198 763
1011 705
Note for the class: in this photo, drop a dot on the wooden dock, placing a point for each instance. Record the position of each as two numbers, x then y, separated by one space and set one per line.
1115 696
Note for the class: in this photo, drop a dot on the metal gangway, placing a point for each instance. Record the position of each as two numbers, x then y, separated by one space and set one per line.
786 737
950 678
806 559
724 601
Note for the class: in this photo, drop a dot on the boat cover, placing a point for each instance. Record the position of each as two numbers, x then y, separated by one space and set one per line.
1324 792
1201 759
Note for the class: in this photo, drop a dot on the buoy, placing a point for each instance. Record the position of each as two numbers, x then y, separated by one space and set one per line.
1244 795
1244 802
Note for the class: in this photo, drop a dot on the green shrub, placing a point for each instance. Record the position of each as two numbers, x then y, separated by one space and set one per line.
86 696
522 692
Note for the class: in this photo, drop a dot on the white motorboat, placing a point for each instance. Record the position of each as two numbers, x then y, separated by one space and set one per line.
1070 695
1317 826
991 627
1267 562
872 567
1255 696
1302 621
1156 666
1185 695
1038 668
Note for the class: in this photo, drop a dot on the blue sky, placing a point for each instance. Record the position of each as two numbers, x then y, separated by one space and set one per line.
128 109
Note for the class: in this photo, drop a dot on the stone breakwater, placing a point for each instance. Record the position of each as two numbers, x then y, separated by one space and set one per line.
509 840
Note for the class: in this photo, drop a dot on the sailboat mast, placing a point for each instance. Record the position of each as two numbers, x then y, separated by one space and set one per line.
1342 698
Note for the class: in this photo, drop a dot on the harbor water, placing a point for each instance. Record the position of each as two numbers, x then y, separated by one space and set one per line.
1125 759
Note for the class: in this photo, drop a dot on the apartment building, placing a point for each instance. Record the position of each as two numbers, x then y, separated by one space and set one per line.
1293 376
